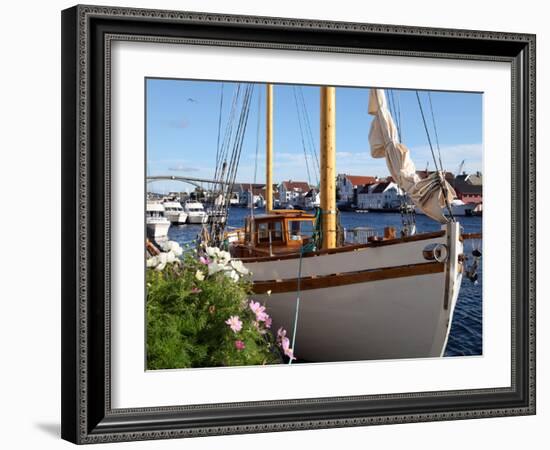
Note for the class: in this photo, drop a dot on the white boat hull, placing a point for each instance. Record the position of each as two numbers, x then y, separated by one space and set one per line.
177 218
157 230
402 309
197 218
366 321
458 209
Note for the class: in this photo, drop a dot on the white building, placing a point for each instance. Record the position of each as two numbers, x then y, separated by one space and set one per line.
349 185
312 199
293 192
383 195
247 198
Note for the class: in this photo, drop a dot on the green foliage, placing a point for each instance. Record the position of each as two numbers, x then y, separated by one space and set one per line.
186 320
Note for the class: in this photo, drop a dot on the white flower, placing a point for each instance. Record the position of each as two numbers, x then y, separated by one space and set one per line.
172 246
152 261
161 259
176 248
199 275
213 252
170 257
216 254
268 292
224 256
214 267
239 267
232 275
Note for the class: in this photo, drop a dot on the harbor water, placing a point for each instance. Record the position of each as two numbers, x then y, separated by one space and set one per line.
465 338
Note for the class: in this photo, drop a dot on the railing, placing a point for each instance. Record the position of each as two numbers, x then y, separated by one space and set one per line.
358 235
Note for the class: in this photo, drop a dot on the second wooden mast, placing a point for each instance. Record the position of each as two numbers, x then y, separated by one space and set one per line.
328 161
328 165
269 150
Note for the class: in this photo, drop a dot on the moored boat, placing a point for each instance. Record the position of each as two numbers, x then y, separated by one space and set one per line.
156 223
195 212
174 212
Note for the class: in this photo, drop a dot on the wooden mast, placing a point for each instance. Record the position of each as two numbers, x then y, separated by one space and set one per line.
328 165
269 150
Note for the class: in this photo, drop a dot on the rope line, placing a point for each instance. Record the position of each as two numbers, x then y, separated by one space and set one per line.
309 134
441 182
435 130
297 310
301 134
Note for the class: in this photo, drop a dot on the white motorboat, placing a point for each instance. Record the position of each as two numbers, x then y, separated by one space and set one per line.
174 212
157 224
195 212
459 208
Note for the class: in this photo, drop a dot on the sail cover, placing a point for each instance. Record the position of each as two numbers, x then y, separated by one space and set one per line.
428 194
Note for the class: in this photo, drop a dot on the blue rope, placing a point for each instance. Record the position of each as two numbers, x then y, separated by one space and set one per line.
297 302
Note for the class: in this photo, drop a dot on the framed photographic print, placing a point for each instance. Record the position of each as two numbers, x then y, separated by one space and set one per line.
281 224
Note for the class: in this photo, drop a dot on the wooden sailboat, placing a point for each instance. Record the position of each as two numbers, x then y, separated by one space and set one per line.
391 297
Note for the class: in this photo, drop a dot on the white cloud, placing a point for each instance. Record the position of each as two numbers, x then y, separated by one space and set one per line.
452 156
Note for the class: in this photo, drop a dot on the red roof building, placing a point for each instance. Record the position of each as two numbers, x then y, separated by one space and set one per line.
348 185
291 192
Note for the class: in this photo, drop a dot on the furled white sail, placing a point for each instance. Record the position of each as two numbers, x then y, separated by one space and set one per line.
429 193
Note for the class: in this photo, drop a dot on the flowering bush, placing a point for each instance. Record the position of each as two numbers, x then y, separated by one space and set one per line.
199 313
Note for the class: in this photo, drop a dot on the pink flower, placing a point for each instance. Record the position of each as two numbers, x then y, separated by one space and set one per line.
281 333
240 345
196 290
204 260
268 321
259 328
255 306
285 344
259 310
234 323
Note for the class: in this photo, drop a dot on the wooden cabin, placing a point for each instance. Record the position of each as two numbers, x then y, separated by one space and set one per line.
277 233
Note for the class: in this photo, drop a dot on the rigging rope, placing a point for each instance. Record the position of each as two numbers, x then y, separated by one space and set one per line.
296 312
258 135
427 131
435 130
221 166
219 127
257 150
440 170
393 111
309 134
301 134
226 171
408 218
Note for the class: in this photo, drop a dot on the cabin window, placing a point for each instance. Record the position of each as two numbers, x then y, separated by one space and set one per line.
300 228
267 228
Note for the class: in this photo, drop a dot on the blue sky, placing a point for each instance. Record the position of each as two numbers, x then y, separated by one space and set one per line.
182 131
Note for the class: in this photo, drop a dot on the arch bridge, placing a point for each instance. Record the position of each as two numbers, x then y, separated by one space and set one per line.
198 182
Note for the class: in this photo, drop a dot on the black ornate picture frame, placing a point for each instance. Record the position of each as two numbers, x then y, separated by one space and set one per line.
87 34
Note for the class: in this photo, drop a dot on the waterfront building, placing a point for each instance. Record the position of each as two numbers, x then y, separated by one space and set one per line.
312 199
348 186
469 187
382 195
291 193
